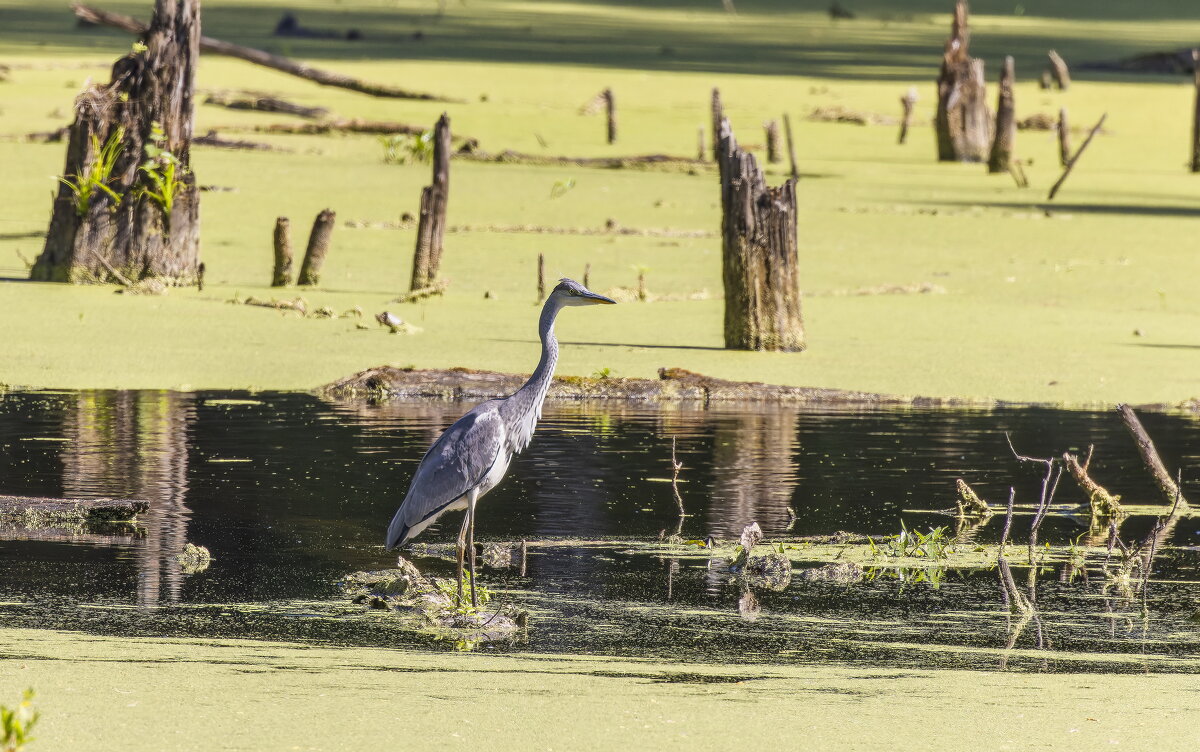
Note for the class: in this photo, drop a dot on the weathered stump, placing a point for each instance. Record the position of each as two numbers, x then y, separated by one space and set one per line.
1196 114
718 114
1000 160
282 275
791 145
771 129
909 103
1064 137
541 277
701 148
963 126
318 247
128 199
431 228
1046 82
1059 70
758 230
610 114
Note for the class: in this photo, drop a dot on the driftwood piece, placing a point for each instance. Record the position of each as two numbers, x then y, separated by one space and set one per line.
759 256
258 57
115 200
1064 137
908 103
717 111
264 104
41 509
962 125
318 247
771 131
1059 70
431 227
1171 492
1102 503
791 146
969 503
425 292
610 115
1000 159
1196 113
281 276
1075 158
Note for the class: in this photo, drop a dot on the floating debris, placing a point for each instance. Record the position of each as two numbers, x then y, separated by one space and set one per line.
193 559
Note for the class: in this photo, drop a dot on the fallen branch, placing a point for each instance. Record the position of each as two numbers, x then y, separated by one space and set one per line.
298 304
676 466
212 139
968 502
1103 504
40 509
258 57
1071 165
1171 491
265 104
611 163
423 292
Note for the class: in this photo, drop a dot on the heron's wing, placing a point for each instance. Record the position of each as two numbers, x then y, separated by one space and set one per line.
456 463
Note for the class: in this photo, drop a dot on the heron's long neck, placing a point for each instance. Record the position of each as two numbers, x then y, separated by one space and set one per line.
524 408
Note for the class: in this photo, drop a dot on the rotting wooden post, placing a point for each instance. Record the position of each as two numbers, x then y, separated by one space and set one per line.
771 128
791 145
1075 158
759 258
962 125
110 212
1166 484
541 277
587 275
701 149
1059 70
610 113
318 247
1064 137
909 103
431 228
282 276
1196 114
718 114
1006 123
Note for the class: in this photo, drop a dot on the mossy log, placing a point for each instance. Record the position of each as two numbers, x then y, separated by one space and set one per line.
45 509
1103 504
969 503
128 196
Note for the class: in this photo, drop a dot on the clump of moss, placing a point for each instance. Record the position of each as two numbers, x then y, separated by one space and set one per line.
193 559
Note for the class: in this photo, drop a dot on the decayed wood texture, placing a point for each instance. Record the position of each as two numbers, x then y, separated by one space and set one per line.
1059 70
908 102
1103 503
1006 123
962 125
89 510
771 130
1064 137
258 57
1166 484
120 223
759 258
282 274
1196 114
431 228
1075 158
318 247
718 114
610 113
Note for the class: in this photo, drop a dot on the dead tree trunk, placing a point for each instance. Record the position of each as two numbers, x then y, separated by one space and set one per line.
610 112
909 103
771 128
758 230
1196 114
1060 71
718 114
431 228
963 127
1064 137
128 198
318 247
282 276
1000 159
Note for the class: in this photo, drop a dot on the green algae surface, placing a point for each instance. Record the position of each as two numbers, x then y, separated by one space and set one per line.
1086 300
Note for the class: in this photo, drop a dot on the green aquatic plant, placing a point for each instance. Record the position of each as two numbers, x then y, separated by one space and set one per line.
163 170
936 544
449 588
94 179
16 724
403 148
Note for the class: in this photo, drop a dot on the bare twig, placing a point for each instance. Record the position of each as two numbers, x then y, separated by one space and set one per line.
1075 159
111 269
676 466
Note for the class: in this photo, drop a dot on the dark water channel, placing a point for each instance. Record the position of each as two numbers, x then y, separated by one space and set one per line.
290 493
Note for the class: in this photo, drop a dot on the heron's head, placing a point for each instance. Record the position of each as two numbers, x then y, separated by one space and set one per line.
568 292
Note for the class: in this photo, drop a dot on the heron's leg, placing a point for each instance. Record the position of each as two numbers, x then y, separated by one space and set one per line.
472 497
460 550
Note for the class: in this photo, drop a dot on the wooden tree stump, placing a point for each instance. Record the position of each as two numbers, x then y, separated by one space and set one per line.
431 228
963 125
318 247
1064 137
1196 114
282 275
1000 160
718 114
909 103
1059 70
759 258
128 199
610 112
771 129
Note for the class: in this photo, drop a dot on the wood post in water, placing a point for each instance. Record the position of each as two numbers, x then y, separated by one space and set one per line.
127 199
909 103
759 257
1075 158
701 149
962 125
791 145
587 275
771 129
718 114
1196 114
1064 137
431 227
1006 124
282 276
1059 70
610 112
1045 82
318 247
541 277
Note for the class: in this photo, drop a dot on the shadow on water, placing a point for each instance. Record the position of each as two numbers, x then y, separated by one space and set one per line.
290 493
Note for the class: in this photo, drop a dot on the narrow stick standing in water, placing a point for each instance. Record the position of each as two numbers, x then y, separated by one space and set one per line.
472 456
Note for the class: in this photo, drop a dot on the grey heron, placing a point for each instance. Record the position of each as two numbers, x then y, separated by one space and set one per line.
471 457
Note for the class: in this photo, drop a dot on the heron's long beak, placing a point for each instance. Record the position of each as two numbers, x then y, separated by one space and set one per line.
599 298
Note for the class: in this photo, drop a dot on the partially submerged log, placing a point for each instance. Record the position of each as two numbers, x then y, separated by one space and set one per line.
1103 504
1000 159
1172 494
643 161
969 503
759 257
435 197
342 125
962 125
212 139
258 57
425 292
39 510
264 104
